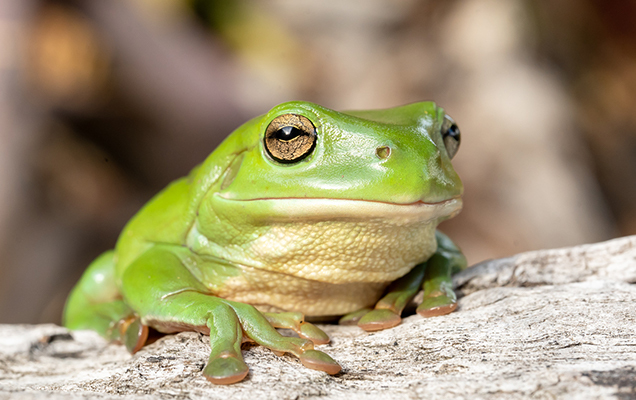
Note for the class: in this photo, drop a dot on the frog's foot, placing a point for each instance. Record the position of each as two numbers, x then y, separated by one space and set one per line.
230 321
439 296
354 317
379 319
316 359
437 303
296 322
225 367
372 320
133 333
258 328
389 308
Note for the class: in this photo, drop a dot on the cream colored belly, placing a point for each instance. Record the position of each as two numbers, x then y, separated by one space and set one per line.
329 267
270 291
318 256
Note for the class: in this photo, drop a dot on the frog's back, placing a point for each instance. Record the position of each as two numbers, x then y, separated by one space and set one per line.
167 217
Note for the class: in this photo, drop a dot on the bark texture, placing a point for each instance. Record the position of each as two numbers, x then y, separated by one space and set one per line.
545 324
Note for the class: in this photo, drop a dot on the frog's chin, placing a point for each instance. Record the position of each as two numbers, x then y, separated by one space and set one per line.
330 209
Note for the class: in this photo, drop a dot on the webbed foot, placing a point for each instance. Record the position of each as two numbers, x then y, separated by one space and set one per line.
225 368
437 304
388 309
314 359
232 323
354 317
133 333
379 319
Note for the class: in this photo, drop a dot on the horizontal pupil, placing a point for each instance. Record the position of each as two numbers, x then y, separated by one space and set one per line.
453 131
288 133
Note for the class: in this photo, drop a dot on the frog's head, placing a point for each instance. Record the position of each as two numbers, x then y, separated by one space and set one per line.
300 150
308 191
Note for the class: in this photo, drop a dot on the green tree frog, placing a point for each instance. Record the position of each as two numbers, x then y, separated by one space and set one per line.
301 212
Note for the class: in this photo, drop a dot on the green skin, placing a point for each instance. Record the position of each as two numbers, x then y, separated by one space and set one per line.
245 244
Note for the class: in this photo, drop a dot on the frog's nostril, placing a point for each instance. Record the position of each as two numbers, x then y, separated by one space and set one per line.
383 152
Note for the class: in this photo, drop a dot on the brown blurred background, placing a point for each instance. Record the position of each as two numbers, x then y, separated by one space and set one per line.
102 103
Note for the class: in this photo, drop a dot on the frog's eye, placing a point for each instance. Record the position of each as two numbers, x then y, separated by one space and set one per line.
451 136
289 138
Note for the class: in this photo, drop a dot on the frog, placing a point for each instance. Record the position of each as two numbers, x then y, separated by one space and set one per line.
301 214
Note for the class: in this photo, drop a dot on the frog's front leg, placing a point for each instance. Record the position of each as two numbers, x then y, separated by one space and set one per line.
161 289
434 275
95 303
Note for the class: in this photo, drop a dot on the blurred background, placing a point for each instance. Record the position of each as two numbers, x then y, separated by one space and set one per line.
103 103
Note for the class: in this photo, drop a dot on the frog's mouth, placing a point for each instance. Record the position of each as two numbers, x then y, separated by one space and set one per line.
280 209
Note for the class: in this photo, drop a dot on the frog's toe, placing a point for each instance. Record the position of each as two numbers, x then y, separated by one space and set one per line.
296 322
260 328
225 368
438 305
354 317
379 319
320 361
312 332
133 333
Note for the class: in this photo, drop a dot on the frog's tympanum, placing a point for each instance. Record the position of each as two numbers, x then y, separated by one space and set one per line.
303 212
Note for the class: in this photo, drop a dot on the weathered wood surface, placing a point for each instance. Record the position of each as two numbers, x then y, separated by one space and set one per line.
546 324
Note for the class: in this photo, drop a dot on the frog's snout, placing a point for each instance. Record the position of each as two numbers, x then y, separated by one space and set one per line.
383 152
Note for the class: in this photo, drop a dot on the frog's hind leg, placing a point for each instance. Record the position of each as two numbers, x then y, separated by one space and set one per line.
95 303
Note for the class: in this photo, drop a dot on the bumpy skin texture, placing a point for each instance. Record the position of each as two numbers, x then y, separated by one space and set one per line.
251 241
